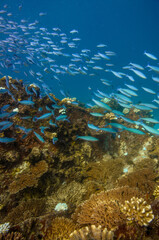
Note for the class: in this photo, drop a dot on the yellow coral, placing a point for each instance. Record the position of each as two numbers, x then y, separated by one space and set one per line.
137 210
92 232
156 192
60 229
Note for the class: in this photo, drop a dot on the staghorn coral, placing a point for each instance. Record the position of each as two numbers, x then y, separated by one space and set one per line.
60 229
103 208
28 179
137 210
92 233
12 236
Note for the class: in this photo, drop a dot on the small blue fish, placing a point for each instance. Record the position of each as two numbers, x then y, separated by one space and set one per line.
7 81
6 126
5 107
4 123
54 140
39 137
61 117
134 130
7 140
3 90
88 138
91 126
26 102
46 115
97 114
110 130
102 105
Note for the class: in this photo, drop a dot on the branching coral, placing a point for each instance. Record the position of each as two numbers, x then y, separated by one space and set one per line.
28 179
12 236
104 208
60 229
137 210
92 233
156 192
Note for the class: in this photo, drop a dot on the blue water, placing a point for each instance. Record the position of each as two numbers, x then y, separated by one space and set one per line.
126 27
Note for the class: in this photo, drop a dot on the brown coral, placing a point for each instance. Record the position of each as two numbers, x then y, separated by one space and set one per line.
103 208
25 210
143 179
12 236
60 229
28 179
137 210
92 232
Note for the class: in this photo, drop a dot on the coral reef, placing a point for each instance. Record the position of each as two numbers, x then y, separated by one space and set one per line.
60 229
92 182
12 236
104 208
30 178
137 210
92 232
143 179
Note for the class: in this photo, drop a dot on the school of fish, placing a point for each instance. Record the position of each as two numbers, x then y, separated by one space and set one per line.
36 53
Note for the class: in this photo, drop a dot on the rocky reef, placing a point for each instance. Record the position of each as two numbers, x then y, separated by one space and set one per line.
71 189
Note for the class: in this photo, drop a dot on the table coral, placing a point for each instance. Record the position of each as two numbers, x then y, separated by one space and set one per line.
137 210
92 232
28 179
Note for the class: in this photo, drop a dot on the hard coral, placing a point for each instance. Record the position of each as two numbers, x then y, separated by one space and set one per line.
143 179
104 208
12 236
28 179
137 210
25 210
60 229
156 192
92 233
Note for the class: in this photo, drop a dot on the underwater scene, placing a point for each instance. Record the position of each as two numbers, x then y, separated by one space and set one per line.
79 120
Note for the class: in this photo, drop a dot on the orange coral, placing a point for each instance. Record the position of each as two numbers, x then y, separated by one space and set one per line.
30 178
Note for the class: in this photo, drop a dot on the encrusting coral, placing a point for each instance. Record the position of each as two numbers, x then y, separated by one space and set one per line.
137 210
92 233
